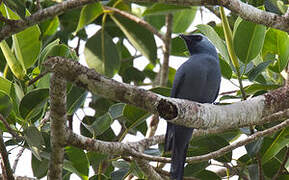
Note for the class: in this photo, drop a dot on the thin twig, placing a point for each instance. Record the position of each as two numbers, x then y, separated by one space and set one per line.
282 166
9 129
17 158
32 81
137 20
7 171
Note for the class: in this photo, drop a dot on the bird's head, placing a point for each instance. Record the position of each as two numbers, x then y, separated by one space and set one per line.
198 43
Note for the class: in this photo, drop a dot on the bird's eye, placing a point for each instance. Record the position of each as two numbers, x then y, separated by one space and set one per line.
198 38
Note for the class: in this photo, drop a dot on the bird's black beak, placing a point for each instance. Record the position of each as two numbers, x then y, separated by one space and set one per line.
184 37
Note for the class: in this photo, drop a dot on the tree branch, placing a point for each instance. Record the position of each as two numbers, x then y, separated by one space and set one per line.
57 125
41 15
138 21
178 111
6 168
244 10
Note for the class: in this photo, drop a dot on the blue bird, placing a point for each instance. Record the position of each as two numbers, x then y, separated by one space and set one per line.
198 79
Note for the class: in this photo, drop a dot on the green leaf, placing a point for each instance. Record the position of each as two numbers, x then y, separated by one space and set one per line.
195 168
79 160
32 102
226 70
183 19
207 144
116 111
5 104
178 47
207 175
252 75
39 167
253 88
161 8
248 40
142 39
34 137
254 171
216 40
18 6
157 21
277 42
26 43
88 14
5 85
49 27
254 147
99 125
279 142
135 117
16 66
75 99
107 63
162 91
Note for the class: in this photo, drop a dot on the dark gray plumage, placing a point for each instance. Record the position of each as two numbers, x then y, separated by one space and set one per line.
198 79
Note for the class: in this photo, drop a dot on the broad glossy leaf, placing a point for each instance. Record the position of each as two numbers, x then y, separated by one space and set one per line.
207 144
162 91
216 40
105 61
39 168
5 104
252 75
253 171
157 21
226 70
248 40
100 124
88 14
135 117
183 19
26 43
15 65
254 147
18 6
116 111
96 158
178 47
279 142
194 168
69 20
208 175
119 174
34 137
49 27
142 39
160 8
79 160
75 99
5 85
252 89
277 42
32 102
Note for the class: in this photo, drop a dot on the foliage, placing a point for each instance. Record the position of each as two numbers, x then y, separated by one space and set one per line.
117 44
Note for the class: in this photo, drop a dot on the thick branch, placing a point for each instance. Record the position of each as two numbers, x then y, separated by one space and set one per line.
244 10
178 111
41 15
57 126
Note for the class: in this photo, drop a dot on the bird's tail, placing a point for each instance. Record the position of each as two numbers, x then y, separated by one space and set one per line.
177 140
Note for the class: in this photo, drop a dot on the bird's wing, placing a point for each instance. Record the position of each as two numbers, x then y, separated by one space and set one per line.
178 81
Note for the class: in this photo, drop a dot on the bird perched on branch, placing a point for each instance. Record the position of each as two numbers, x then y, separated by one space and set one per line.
198 79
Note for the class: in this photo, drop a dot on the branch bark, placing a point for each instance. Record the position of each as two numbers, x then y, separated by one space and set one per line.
244 10
57 126
178 111
5 164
